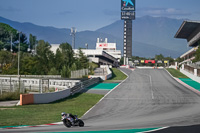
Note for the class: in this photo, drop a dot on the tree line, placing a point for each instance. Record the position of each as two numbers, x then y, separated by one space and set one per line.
36 57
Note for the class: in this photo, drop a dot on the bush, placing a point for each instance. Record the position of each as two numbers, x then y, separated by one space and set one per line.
8 96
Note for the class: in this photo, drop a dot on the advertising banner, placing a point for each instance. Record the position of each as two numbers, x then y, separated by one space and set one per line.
127 5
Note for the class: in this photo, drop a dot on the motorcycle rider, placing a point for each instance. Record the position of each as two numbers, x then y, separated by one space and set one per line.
69 115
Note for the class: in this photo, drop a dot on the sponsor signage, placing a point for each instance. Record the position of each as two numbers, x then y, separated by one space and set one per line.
136 61
165 61
150 61
159 61
128 15
103 45
142 61
128 5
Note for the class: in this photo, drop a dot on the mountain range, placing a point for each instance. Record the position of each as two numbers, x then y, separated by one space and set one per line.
151 35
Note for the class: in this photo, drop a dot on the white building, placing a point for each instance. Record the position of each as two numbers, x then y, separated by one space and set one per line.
104 54
110 48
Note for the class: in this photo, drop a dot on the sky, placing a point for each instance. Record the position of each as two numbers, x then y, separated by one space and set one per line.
92 14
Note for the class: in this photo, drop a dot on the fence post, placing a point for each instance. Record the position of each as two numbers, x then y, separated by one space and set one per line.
10 85
195 72
1 87
40 86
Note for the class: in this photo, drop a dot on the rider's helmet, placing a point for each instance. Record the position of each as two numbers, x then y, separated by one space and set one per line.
63 113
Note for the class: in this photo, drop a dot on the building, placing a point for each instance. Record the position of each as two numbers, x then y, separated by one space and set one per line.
189 30
110 48
104 54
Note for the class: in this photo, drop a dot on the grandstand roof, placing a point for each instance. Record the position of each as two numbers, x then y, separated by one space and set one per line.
189 30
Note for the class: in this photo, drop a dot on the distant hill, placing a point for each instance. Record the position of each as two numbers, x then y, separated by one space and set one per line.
150 35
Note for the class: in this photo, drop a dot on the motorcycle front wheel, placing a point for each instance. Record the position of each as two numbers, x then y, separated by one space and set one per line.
67 123
81 123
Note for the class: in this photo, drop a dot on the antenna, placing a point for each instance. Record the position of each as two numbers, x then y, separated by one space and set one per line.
73 32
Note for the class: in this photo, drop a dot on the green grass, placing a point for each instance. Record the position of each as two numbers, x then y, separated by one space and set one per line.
117 75
47 113
176 73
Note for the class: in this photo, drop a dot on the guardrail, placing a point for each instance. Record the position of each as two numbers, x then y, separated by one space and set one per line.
82 85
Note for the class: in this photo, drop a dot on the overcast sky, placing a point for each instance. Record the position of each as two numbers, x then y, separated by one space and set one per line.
91 14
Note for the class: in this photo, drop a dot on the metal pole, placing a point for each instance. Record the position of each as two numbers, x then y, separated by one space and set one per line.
11 44
18 54
19 61
1 87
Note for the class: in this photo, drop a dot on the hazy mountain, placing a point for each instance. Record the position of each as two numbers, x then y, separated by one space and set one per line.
156 31
150 35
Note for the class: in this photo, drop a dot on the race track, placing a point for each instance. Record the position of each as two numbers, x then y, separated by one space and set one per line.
148 98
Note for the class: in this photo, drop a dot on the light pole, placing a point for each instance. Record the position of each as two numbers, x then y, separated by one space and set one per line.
86 45
19 55
11 43
73 32
19 60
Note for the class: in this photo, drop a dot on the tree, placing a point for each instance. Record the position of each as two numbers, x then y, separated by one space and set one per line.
5 59
197 55
45 57
6 32
53 71
65 72
32 41
159 57
67 54
84 62
28 64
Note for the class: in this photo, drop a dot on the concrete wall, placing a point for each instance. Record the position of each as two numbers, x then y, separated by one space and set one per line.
103 77
50 97
109 73
193 77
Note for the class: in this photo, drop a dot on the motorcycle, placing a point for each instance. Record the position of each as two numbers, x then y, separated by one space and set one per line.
68 121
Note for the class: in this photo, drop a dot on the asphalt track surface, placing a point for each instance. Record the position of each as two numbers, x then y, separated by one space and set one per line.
148 98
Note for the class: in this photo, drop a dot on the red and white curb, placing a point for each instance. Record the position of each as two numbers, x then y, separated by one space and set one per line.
189 87
44 125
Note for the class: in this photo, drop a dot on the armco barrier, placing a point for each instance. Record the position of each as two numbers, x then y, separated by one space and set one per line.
79 87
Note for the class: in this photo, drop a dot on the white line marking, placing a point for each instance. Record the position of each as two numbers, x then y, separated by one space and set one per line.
154 130
151 84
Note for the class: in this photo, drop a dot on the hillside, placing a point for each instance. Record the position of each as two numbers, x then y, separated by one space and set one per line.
150 35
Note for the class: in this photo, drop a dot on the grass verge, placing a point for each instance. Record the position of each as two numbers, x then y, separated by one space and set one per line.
47 113
117 75
176 73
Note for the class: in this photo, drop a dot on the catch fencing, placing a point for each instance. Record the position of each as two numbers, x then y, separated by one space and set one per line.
11 84
189 69
79 73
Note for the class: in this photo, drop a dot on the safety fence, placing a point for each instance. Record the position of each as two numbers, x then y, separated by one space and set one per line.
79 73
198 72
189 69
11 84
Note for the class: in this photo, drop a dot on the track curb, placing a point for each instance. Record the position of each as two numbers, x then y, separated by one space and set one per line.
184 84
